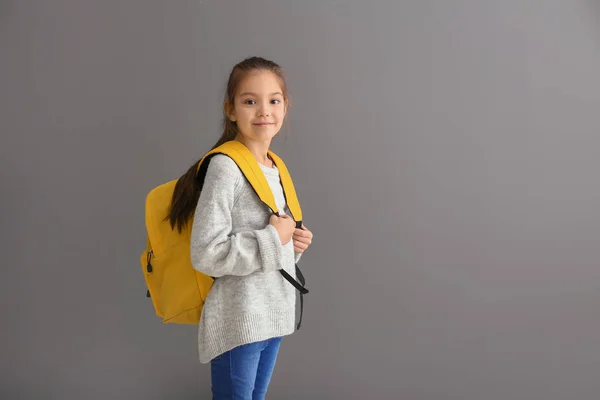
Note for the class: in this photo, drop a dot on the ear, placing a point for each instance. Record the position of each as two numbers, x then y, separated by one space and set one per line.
229 111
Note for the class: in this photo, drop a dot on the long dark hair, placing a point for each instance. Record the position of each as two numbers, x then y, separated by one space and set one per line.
188 186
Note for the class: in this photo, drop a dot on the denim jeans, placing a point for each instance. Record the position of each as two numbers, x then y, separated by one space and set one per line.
244 372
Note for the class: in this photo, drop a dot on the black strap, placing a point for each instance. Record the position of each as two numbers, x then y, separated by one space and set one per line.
301 277
299 286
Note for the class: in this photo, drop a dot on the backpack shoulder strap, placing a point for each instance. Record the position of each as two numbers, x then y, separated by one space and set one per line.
288 188
245 160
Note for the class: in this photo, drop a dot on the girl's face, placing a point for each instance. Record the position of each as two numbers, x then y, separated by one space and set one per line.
259 106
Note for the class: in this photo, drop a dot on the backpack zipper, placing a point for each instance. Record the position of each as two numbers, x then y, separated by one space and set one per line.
149 268
148 258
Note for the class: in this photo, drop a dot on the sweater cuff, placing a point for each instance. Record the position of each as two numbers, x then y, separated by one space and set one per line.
270 248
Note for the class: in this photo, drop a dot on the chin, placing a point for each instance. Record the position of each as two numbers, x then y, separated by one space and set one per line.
264 135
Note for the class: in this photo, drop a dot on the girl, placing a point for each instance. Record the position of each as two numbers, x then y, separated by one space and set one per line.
235 239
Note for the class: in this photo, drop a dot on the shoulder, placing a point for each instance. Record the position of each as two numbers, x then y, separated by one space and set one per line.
221 163
222 168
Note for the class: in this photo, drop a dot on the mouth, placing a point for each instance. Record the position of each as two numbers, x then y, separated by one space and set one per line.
263 123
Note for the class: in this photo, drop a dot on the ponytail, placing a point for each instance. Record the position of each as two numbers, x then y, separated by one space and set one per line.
188 186
184 200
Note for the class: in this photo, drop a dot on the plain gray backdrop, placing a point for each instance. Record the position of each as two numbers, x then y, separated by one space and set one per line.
446 155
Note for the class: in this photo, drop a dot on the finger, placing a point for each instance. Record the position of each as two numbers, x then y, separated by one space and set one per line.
302 238
299 248
298 236
303 241
304 233
305 238
305 229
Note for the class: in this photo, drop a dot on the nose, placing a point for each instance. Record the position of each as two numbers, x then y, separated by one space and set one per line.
264 111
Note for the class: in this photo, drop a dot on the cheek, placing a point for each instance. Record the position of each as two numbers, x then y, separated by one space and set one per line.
244 117
280 114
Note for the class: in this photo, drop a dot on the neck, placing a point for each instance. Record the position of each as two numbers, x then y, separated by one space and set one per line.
259 149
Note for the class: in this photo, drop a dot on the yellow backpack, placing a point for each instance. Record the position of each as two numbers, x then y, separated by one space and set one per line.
177 290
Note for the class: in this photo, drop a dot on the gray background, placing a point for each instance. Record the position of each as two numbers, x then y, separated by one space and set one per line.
446 154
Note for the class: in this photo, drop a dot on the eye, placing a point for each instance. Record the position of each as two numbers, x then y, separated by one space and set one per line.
249 101
275 101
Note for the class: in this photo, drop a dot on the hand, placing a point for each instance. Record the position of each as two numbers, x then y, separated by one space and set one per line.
285 226
302 239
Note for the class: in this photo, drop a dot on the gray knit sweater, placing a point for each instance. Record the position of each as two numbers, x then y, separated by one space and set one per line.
233 241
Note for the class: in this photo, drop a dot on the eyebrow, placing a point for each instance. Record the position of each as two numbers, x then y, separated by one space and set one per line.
254 94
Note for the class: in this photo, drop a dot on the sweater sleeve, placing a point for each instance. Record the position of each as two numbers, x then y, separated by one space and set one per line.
215 251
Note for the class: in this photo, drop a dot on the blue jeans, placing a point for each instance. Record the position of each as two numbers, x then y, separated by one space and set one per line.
244 372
